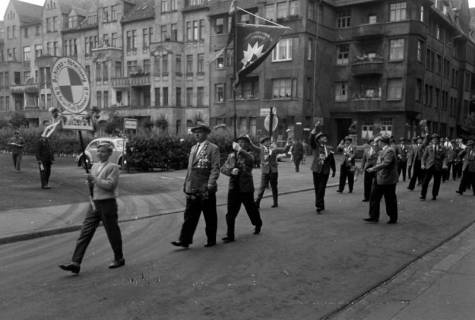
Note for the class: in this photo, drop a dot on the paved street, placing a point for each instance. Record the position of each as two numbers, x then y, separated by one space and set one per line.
302 266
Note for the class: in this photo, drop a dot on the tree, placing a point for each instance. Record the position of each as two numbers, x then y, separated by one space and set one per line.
18 120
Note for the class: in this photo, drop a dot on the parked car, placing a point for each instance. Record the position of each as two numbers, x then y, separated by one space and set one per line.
90 153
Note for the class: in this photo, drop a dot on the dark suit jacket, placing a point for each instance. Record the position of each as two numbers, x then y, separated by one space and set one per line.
434 159
203 169
44 152
321 164
402 152
348 154
369 160
469 160
269 162
297 150
386 167
243 182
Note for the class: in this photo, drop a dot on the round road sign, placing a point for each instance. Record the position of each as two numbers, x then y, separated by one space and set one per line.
275 122
70 85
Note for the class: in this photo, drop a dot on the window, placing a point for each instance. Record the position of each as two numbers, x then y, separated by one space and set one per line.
146 66
342 54
421 14
219 92
394 89
178 65
387 126
26 54
189 64
146 40
282 51
219 26
269 12
25 32
157 97
397 11
341 91
343 19
99 98
174 32
114 13
372 19
201 62
115 40
310 49
134 38
105 71
189 97
294 8
164 33
200 96
249 88
196 34
189 34
283 88
106 99
173 5
55 23
165 96
367 130
165 65
17 77
156 65
98 71
220 62
420 52
88 72
105 15
396 49
418 92
56 48
131 67
281 10
164 6
178 97
437 32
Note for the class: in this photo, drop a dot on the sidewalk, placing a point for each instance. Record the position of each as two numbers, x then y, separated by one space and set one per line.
438 286
23 224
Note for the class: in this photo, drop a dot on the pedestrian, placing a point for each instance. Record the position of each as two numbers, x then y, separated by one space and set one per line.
200 188
17 144
297 153
238 167
323 161
402 152
347 167
269 169
449 149
104 178
457 160
386 181
468 169
434 161
414 163
370 157
45 158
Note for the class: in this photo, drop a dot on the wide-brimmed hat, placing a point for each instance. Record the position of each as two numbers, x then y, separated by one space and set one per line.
264 139
320 134
435 136
201 126
348 138
245 138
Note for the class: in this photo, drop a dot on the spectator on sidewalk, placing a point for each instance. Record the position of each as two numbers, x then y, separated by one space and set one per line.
45 157
323 161
238 167
104 177
347 167
402 151
16 144
414 163
200 188
370 157
386 180
434 161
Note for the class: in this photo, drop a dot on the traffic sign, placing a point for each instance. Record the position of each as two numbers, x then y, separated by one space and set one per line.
275 122
70 85
130 124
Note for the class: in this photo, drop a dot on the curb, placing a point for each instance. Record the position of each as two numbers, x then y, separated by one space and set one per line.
62 230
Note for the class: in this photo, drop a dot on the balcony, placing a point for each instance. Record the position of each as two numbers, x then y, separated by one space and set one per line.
366 104
135 80
120 82
368 30
191 5
367 65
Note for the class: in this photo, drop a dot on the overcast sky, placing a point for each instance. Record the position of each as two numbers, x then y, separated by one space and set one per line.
4 3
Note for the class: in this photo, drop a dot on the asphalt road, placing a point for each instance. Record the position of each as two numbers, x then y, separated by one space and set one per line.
302 266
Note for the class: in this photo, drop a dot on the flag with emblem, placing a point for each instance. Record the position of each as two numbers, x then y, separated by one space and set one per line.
254 43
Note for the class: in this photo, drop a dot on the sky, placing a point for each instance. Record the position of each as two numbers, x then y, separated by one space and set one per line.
4 3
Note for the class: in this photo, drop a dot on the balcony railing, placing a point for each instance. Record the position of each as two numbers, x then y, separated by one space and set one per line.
368 30
365 64
132 81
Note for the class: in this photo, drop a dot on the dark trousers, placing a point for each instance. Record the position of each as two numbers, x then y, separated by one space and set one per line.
194 206
17 160
297 161
106 211
369 180
45 173
320 185
437 174
389 193
446 172
417 174
235 199
346 173
457 170
402 168
467 181
267 178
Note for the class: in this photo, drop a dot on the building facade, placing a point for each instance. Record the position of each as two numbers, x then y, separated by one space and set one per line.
360 67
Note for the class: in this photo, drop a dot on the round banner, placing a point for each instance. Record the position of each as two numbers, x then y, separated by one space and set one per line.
70 85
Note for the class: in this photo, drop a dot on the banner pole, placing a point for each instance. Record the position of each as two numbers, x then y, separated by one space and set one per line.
91 187
235 76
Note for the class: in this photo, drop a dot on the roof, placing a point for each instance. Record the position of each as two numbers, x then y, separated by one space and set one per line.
28 13
142 10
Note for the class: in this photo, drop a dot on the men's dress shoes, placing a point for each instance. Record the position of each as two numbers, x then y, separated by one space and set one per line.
228 239
74 268
45 187
117 264
180 244
434 198
210 244
371 220
339 191
319 210
410 189
392 222
257 230
275 205
459 192
422 198
365 200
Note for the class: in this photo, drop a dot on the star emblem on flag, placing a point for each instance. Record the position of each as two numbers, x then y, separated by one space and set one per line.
251 54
